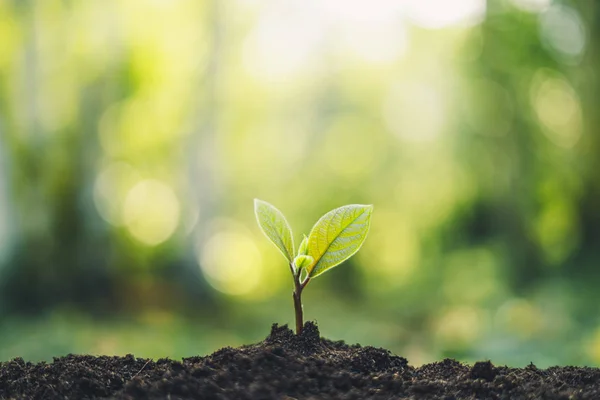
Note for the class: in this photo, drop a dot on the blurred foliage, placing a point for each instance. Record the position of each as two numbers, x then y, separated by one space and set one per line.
135 134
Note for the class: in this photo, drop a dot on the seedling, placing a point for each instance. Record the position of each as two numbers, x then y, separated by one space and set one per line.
335 237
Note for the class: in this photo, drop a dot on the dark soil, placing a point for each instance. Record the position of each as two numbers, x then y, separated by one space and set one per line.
286 366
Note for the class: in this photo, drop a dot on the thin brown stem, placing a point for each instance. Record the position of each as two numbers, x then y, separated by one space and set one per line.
298 309
297 296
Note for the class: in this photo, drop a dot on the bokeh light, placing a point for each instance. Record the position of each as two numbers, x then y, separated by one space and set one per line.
111 189
151 212
459 326
394 260
532 5
558 109
520 317
563 31
435 14
231 261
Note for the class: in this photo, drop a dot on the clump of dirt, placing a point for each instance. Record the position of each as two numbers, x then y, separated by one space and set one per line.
289 366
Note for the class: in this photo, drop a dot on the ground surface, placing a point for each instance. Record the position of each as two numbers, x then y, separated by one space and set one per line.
284 367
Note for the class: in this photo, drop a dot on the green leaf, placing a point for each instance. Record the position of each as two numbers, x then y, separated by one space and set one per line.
303 261
275 227
337 236
303 249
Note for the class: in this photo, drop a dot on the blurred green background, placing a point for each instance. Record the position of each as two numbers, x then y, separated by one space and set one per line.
135 134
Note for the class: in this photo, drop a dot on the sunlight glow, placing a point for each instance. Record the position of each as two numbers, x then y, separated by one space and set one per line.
459 326
532 5
593 346
380 43
111 188
562 29
293 38
520 317
231 263
396 253
558 108
284 42
10 34
435 14
151 212
415 111
374 30
557 230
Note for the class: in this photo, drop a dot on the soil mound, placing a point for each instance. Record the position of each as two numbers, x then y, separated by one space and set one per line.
288 366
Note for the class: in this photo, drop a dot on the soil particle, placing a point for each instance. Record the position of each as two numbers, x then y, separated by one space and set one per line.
483 370
286 366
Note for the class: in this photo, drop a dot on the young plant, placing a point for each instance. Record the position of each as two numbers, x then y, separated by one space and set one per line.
336 237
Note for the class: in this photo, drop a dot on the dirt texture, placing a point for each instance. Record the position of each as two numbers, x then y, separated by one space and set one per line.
285 366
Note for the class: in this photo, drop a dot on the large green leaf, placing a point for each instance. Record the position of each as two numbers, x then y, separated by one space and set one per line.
275 227
337 236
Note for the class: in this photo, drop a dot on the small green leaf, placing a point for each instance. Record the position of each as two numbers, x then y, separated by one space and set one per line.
337 236
303 249
303 261
275 227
